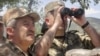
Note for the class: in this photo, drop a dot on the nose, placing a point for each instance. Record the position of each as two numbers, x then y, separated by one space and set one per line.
31 27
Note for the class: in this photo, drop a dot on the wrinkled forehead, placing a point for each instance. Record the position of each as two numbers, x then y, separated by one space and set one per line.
21 20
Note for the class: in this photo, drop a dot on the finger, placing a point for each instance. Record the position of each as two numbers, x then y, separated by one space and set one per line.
73 19
59 9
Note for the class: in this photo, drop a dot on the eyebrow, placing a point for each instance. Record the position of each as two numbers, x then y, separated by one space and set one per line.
25 21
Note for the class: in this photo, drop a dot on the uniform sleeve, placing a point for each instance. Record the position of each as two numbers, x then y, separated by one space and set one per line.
88 44
86 41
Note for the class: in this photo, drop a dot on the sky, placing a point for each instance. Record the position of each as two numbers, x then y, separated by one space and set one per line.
93 11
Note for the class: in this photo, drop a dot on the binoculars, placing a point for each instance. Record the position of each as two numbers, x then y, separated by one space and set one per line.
66 11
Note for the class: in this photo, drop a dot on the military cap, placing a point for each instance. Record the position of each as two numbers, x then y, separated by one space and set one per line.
17 12
50 6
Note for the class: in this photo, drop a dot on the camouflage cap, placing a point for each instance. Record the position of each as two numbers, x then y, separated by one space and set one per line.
1 19
50 6
17 12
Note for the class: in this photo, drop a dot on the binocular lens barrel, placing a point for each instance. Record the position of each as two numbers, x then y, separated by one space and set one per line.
67 11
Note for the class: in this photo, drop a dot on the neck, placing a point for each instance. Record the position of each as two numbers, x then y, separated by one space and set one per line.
21 46
59 33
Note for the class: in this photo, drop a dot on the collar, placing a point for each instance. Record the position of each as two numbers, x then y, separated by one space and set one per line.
16 49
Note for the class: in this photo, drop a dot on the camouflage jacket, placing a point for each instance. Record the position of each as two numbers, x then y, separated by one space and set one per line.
73 40
9 49
83 52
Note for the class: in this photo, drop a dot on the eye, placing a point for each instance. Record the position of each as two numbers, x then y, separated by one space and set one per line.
26 23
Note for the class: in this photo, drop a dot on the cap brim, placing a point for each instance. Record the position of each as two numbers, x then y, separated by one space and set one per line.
34 16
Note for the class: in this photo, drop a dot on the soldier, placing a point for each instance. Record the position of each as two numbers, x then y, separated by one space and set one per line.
60 45
20 29
20 32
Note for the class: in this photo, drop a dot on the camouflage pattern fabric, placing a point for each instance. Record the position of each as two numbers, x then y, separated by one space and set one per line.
74 40
9 49
4 50
95 52
83 52
78 52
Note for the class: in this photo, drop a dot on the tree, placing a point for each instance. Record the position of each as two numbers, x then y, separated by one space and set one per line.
28 4
84 3
8 3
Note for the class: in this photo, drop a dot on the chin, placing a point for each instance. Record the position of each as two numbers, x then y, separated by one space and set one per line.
29 38
30 41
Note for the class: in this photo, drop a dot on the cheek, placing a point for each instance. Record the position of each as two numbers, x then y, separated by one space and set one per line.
52 21
21 31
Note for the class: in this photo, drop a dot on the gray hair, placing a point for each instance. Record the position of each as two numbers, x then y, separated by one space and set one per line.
11 23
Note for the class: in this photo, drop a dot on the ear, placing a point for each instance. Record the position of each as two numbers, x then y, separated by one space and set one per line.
47 21
10 31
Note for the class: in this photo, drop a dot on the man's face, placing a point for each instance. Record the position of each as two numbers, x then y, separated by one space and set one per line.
24 31
51 20
1 30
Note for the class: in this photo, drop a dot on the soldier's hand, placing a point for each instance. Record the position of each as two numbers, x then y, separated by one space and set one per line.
58 19
81 20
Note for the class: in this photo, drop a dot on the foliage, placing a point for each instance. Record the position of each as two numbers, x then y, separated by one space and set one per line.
37 28
28 4
85 4
33 5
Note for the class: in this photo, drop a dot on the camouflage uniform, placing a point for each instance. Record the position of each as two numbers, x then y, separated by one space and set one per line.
59 47
83 52
9 49
12 14
73 40
61 44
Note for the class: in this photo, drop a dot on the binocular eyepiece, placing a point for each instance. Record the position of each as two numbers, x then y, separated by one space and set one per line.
66 11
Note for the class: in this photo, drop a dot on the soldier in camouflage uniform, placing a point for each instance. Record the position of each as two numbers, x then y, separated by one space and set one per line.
60 44
20 30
